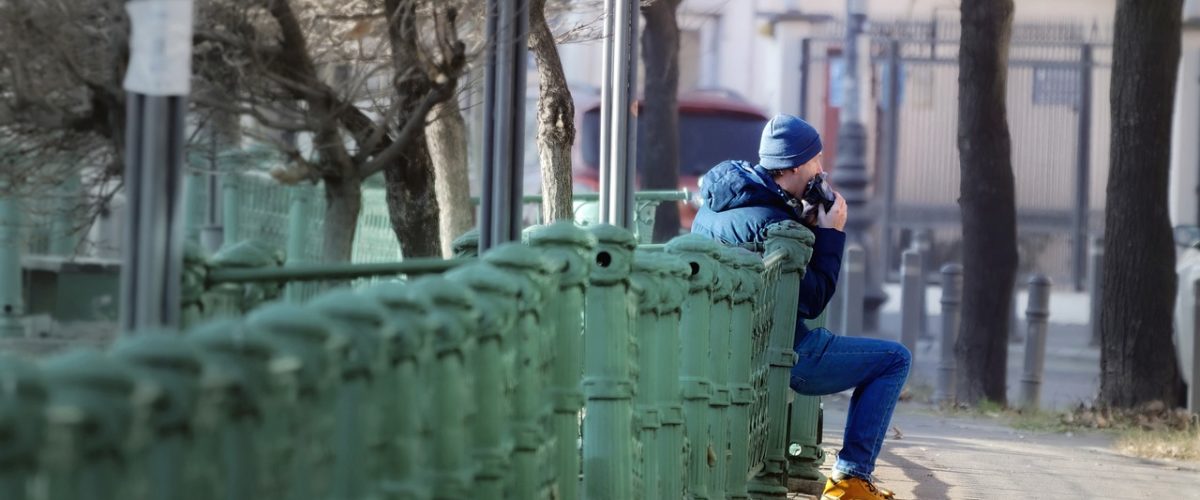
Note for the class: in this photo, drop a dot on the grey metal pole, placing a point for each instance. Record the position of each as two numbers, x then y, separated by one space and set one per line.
924 245
891 156
504 98
851 176
951 298
618 134
1194 385
912 286
856 280
1082 169
11 307
1095 286
805 61
1014 323
1037 315
157 81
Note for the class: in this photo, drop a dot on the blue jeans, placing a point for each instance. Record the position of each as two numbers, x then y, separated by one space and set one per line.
876 369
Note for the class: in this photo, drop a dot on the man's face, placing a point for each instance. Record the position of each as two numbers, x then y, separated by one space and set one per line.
795 181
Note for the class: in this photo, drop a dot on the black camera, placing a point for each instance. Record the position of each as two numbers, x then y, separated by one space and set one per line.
818 194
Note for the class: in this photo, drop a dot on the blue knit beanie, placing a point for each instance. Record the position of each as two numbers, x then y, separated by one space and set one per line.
787 141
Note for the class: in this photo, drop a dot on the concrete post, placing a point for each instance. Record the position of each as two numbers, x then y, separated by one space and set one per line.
1037 314
856 282
951 298
11 304
1014 322
1095 287
924 245
912 286
608 449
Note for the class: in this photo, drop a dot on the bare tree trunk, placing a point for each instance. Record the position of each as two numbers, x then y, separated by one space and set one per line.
343 202
660 114
556 118
447 140
412 202
1137 360
987 201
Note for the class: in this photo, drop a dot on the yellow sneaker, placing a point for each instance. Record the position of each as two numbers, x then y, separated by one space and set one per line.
853 488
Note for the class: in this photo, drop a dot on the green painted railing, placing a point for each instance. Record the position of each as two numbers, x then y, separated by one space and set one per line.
574 365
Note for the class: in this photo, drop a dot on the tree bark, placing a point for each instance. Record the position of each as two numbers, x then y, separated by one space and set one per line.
447 139
660 113
409 181
1137 359
556 118
987 201
343 203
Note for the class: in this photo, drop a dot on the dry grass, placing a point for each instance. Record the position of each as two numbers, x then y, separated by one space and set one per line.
1171 444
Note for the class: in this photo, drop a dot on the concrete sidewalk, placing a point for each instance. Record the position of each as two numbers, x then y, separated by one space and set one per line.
962 457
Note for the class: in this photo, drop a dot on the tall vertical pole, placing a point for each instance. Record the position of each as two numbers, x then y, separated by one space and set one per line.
805 61
618 133
891 154
504 103
10 265
157 81
1083 158
851 177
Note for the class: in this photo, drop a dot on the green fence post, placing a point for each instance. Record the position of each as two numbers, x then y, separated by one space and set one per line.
231 194
307 358
647 283
22 406
236 399
194 208
805 454
794 241
300 201
63 224
403 393
11 305
718 358
741 391
572 246
452 315
695 380
491 441
363 323
671 453
166 361
89 419
608 440
531 411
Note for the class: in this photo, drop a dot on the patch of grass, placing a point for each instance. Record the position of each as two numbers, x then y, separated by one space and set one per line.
1171 444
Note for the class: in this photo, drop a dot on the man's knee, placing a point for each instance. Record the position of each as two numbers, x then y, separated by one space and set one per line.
903 358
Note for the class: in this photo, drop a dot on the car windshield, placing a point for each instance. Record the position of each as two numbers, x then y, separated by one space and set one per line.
705 139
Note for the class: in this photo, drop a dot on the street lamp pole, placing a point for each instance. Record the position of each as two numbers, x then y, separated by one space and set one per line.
851 176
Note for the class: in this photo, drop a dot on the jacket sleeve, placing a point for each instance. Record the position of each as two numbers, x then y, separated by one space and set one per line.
821 275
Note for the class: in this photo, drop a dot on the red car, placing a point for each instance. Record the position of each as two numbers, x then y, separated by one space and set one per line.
713 127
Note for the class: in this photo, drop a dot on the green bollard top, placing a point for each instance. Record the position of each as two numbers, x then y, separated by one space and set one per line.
750 268
793 238
675 273
728 277
534 270
408 312
646 281
561 233
236 368
167 361
497 292
22 403
569 246
94 394
452 315
300 339
247 253
466 245
700 254
613 259
363 322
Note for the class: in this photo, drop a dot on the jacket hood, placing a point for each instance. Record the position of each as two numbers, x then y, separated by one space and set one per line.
738 184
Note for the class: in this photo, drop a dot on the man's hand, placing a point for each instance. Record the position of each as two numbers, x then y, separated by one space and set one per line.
835 217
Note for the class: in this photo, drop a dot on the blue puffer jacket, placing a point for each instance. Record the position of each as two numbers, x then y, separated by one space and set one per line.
740 201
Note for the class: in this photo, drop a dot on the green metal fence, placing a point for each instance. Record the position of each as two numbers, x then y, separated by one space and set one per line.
469 382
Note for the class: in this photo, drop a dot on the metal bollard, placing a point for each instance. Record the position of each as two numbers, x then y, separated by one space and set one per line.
912 291
1014 323
1037 314
670 454
531 410
165 361
718 341
362 322
646 285
402 393
608 440
1095 286
923 243
856 282
951 298
11 307
22 408
695 381
1194 384
573 247
742 342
